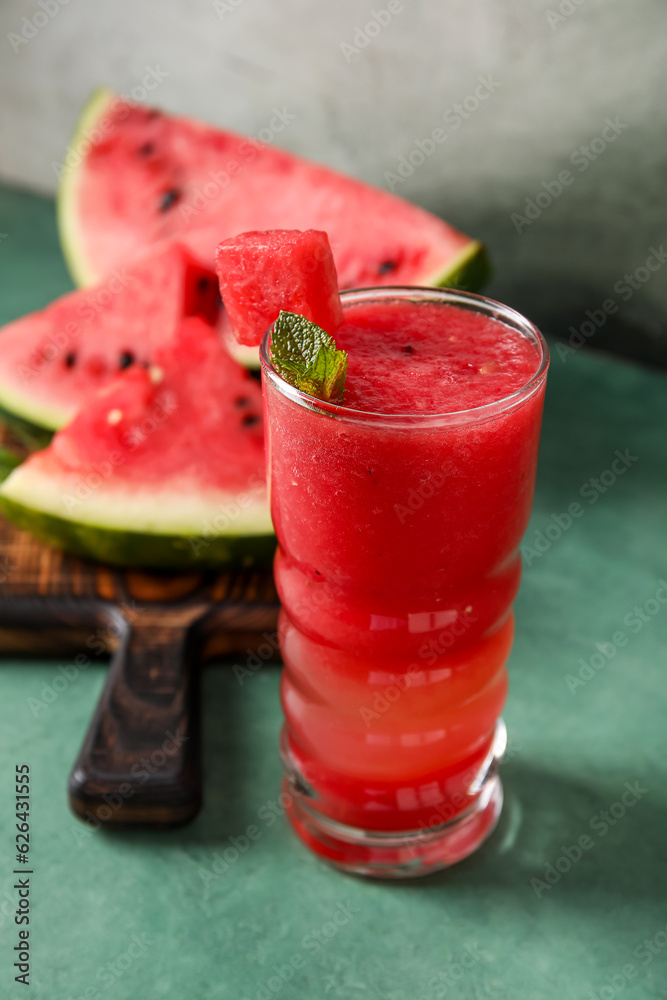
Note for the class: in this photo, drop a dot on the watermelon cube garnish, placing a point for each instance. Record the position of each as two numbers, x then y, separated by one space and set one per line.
264 273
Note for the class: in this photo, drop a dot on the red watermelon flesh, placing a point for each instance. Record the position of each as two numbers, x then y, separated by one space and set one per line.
54 360
140 176
261 273
163 466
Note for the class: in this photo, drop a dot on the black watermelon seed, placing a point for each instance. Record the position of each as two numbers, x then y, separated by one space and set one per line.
202 285
409 349
249 420
70 360
242 401
153 113
255 373
147 149
386 266
126 359
169 198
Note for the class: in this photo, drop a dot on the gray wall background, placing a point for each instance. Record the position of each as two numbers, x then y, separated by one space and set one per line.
556 78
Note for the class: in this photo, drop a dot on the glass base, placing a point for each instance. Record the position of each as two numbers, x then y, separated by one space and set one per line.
407 853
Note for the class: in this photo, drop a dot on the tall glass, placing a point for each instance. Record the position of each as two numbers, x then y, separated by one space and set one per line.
397 566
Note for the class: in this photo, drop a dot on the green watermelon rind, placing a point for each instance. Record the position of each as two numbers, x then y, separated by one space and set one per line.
89 119
32 422
469 272
35 436
9 461
242 353
123 547
140 526
136 548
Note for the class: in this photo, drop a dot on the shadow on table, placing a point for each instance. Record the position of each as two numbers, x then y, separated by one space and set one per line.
582 840
242 770
572 839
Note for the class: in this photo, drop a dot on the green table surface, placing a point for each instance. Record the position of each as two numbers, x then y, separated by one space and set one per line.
144 915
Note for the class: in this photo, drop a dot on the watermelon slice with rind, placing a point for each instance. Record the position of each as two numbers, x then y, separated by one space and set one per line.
164 467
53 361
134 176
262 273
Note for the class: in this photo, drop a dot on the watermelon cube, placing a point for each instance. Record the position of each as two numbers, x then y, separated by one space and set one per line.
262 273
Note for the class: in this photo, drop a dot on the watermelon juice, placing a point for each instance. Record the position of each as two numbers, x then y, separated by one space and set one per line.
399 517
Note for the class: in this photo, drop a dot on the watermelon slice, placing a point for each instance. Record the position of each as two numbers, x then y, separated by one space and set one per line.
54 360
164 467
135 176
261 273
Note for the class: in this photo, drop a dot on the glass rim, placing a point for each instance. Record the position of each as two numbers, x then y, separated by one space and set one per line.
446 296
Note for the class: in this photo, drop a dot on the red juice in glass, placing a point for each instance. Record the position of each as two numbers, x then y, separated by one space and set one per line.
399 517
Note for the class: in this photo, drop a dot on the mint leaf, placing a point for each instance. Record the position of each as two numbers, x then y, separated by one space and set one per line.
305 356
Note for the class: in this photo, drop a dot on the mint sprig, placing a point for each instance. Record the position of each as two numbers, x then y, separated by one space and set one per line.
305 356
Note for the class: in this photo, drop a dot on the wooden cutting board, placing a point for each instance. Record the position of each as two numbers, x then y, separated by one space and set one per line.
140 761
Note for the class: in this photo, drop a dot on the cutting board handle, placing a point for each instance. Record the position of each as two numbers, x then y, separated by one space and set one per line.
140 762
